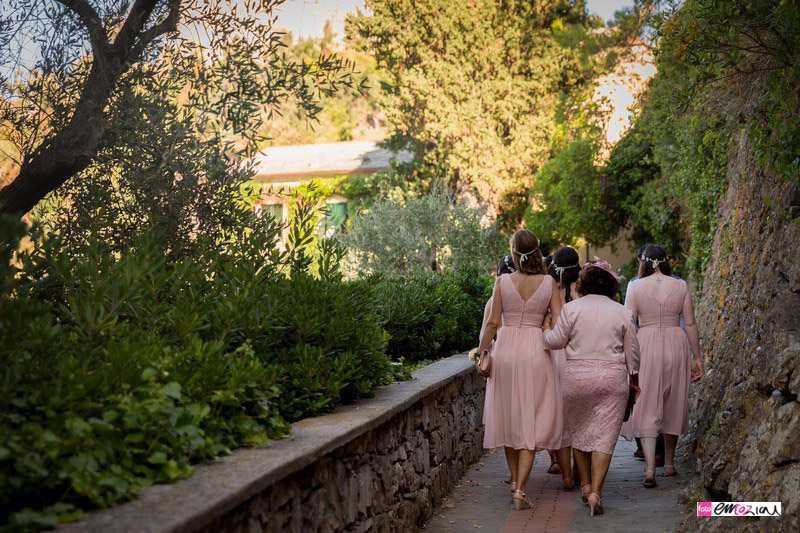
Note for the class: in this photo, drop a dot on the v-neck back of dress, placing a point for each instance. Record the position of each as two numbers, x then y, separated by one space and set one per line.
664 313
519 313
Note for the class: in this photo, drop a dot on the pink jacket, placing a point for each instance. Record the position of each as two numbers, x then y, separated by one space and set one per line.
596 327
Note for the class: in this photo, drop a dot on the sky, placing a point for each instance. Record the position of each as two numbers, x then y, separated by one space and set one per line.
307 17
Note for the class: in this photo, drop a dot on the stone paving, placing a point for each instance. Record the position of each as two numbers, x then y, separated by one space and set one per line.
481 500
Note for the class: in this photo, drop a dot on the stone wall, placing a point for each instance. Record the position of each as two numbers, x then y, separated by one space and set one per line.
745 430
382 464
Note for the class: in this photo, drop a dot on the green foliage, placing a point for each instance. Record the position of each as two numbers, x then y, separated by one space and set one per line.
743 57
181 116
566 197
472 92
427 233
343 116
722 67
429 316
121 369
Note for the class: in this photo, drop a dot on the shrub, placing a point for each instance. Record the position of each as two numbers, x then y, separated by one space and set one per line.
431 316
121 369
421 234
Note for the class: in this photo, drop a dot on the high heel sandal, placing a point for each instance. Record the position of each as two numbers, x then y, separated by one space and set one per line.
521 503
585 493
674 472
649 484
595 507
513 487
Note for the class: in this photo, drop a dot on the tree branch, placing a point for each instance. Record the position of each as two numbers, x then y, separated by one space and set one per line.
168 25
89 17
137 18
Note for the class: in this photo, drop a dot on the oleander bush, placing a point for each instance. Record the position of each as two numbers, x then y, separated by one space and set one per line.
122 369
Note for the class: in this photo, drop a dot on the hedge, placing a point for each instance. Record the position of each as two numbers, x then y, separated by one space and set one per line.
118 371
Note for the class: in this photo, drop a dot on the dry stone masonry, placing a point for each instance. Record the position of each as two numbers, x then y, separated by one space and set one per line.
383 464
745 413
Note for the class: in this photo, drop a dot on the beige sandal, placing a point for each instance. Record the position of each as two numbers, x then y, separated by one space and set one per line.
585 493
521 503
595 506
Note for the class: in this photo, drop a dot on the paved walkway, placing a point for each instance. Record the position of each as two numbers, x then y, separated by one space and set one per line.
481 500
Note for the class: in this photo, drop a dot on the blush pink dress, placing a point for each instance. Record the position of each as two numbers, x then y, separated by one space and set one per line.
665 368
521 409
559 358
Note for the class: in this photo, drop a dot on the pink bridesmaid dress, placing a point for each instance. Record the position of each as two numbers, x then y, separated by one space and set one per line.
665 365
559 358
521 409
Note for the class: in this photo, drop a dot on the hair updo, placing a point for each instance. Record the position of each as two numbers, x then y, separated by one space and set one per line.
526 254
565 269
596 280
654 259
505 266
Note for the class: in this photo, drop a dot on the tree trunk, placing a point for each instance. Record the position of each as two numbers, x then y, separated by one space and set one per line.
73 149
53 163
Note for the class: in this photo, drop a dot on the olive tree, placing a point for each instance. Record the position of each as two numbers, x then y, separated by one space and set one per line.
421 234
157 98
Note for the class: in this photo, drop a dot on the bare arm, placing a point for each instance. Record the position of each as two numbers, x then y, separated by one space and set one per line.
555 303
486 312
558 337
495 315
690 325
630 303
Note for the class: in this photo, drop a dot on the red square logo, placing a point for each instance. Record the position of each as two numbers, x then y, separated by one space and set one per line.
703 508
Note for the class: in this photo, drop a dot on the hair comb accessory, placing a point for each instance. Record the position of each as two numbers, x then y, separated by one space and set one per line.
654 262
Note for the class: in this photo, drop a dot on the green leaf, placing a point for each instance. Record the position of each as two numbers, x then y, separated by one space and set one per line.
172 470
172 390
157 458
70 516
29 517
149 373
119 484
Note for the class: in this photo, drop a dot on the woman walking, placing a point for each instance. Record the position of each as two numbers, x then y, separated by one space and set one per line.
520 410
659 301
564 268
598 336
